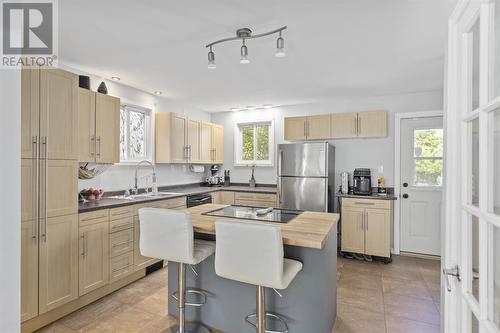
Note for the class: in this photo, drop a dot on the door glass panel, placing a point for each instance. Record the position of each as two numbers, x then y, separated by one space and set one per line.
474 200
475 257
495 118
428 157
475 65
496 72
496 277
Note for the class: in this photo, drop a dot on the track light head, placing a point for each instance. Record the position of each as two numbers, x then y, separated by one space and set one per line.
244 54
280 47
211 59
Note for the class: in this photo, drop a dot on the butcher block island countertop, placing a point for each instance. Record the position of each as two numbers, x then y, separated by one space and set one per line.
308 230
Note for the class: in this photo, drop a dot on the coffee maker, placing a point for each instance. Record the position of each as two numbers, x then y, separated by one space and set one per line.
214 179
362 181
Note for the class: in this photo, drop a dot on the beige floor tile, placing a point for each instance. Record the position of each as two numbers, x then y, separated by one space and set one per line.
351 319
99 310
362 267
159 324
354 280
128 320
401 325
416 289
366 299
136 292
411 308
156 304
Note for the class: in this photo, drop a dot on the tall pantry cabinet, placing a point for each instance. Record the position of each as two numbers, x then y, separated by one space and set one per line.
49 212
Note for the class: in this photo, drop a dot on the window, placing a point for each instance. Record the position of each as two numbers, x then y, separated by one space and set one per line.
135 134
428 157
254 143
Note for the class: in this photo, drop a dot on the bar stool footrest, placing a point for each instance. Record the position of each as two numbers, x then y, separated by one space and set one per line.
198 292
271 315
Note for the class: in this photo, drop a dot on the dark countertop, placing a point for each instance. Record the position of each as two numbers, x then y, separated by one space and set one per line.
374 195
182 190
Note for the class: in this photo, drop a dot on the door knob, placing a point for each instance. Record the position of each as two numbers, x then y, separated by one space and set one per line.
405 196
405 184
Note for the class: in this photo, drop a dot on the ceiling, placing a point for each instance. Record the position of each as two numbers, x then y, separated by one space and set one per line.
335 48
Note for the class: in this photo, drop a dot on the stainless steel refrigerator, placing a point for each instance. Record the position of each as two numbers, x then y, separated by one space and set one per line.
306 174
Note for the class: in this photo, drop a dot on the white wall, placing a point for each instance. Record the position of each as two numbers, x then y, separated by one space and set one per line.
121 177
10 197
350 153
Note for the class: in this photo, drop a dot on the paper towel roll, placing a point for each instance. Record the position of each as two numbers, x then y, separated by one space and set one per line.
197 168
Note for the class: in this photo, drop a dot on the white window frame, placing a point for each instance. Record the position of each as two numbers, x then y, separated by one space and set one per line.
148 133
238 161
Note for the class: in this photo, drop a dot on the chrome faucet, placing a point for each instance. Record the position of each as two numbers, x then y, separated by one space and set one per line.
136 189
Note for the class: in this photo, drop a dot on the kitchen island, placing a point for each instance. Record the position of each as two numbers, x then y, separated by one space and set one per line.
308 304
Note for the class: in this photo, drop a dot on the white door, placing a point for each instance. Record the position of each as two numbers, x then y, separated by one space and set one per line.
421 184
472 168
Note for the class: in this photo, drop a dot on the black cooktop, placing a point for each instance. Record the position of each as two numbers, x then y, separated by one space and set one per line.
277 215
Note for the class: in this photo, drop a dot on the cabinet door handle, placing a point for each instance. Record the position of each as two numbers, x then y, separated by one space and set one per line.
36 175
92 145
98 146
84 247
308 129
359 125
46 187
366 221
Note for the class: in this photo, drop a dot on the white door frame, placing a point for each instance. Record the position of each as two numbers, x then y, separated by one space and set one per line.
397 168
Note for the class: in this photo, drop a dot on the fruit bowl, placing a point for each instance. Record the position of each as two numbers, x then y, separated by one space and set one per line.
90 194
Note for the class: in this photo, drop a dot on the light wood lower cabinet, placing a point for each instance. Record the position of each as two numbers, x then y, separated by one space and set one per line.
29 271
94 256
255 199
366 226
58 263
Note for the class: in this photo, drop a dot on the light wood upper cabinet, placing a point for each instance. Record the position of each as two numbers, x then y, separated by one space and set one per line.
372 124
180 139
307 128
377 225
86 126
59 113
99 127
344 125
318 127
29 271
295 128
206 151
353 238
193 140
218 143
107 130
30 115
177 139
58 265
94 257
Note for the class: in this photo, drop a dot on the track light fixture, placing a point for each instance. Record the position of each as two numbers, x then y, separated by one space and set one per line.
244 34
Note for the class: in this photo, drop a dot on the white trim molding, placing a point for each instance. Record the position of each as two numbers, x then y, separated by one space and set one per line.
397 168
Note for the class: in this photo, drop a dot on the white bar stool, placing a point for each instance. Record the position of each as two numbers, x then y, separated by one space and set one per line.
168 234
253 253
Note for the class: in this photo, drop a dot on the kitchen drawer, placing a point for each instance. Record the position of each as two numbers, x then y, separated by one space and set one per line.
255 196
366 203
121 266
173 203
89 218
121 212
121 242
121 224
255 203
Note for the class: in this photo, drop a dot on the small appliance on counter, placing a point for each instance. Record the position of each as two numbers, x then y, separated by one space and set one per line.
227 178
362 181
344 182
214 179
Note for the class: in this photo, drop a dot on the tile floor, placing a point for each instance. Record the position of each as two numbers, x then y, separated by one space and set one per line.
371 297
